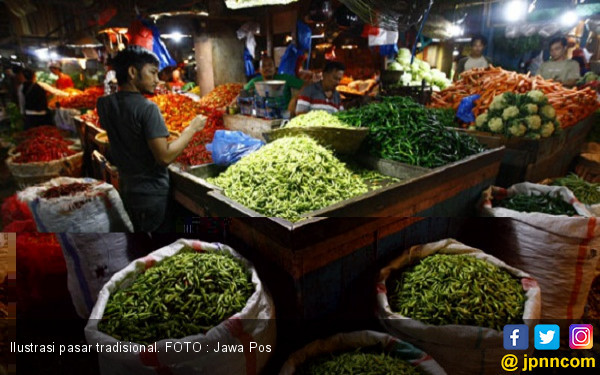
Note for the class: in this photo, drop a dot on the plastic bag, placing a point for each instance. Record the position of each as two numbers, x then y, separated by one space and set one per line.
465 108
228 147
287 65
304 36
248 63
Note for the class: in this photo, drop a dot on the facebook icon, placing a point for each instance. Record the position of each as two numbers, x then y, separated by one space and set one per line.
516 337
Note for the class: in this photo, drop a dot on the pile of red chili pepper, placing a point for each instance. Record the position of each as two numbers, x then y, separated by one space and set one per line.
92 117
87 99
46 130
195 153
65 190
221 95
42 148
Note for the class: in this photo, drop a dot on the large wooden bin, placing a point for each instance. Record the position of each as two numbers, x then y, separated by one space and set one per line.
535 160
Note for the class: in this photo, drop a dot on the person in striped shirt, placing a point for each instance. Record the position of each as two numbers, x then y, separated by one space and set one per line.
323 95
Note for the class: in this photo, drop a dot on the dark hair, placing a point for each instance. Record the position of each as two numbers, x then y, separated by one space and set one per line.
559 39
17 69
333 65
480 38
132 56
28 74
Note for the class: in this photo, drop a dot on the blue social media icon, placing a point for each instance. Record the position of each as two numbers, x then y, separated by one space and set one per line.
516 337
547 337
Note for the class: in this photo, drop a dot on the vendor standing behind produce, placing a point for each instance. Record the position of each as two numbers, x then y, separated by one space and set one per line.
138 139
35 103
476 59
560 68
267 73
323 95
63 81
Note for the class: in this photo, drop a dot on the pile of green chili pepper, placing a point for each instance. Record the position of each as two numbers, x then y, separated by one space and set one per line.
457 289
408 132
586 192
186 294
357 362
316 119
544 203
289 177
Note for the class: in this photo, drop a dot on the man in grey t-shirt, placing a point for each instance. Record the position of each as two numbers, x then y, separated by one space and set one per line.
476 59
560 68
138 139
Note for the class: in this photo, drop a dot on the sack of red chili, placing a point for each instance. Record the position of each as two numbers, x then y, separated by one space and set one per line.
221 95
81 205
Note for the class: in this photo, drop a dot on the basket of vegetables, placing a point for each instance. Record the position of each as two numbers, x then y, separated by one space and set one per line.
326 129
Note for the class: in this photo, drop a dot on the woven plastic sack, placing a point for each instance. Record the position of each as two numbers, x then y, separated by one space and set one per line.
498 193
98 210
561 252
459 349
362 339
91 260
27 174
255 323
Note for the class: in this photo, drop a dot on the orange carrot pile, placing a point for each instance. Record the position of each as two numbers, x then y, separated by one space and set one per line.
571 105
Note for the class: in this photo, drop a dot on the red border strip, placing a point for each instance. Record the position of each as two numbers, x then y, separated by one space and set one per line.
583 249
236 328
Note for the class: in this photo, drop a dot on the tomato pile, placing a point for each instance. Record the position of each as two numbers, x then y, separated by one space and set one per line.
42 148
221 95
87 99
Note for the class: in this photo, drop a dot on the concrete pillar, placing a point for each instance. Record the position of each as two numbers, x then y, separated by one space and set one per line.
203 51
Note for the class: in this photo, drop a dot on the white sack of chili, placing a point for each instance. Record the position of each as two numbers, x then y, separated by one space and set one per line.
79 205
562 253
459 349
253 325
349 342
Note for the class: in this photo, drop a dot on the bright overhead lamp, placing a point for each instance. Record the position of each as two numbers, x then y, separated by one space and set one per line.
199 13
515 10
176 36
455 30
569 18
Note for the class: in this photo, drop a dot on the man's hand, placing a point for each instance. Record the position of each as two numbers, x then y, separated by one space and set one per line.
197 124
165 153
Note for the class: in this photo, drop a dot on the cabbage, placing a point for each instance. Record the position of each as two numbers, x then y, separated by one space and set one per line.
395 66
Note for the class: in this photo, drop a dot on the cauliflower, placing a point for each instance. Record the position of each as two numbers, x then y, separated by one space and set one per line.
497 102
518 130
547 129
548 112
496 125
531 108
510 112
534 122
481 120
536 95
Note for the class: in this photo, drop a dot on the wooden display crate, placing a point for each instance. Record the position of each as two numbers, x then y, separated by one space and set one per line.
327 267
534 160
450 190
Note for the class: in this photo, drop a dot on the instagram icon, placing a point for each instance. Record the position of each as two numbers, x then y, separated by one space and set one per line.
581 336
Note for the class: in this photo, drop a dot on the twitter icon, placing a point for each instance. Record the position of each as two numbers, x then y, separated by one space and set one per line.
547 337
